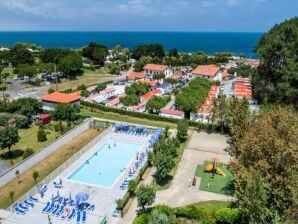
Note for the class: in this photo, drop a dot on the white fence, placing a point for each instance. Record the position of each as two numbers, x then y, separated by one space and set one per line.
62 167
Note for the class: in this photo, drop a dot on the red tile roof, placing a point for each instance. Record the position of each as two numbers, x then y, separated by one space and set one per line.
135 107
151 82
114 101
209 70
172 112
93 96
108 90
176 76
91 88
151 94
57 97
154 67
225 74
241 79
136 75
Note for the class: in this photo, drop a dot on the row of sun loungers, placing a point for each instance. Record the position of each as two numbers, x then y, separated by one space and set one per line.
22 208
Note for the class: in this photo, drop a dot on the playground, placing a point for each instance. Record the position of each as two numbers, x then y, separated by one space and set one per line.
215 177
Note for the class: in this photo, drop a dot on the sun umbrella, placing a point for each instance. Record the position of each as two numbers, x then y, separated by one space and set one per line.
81 197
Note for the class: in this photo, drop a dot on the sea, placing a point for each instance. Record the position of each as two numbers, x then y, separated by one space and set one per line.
209 42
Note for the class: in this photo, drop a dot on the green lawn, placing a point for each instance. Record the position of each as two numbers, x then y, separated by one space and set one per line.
9 71
28 139
125 118
218 184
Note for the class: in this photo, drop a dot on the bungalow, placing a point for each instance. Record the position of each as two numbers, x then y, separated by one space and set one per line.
151 69
50 101
172 113
135 75
149 95
141 107
151 82
225 75
115 103
210 72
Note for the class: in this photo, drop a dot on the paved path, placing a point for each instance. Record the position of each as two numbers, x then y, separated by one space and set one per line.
200 147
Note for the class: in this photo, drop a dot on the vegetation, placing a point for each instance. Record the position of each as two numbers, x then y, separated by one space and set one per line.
242 70
152 50
192 96
182 128
137 88
71 65
8 138
41 134
19 54
276 78
146 196
66 112
95 52
265 167
156 103
35 175
130 100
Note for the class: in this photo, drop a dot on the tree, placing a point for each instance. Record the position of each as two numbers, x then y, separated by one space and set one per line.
152 50
159 217
171 81
132 186
265 166
53 55
243 70
164 164
3 77
100 86
276 78
130 100
26 70
11 196
8 138
17 173
95 52
71 65
182 127
137 88
66 112
114 69
41 134
19 54
138 66
25 106
159 76
35 175
219 111
146 196
156 103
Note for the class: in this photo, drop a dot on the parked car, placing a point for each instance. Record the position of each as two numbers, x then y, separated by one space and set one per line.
15 77
222 87
231 93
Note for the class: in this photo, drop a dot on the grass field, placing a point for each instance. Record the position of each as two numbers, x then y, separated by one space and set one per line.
28 139
218 184
87 79
44 167
125 118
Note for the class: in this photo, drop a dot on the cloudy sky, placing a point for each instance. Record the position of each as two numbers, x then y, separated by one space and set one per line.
145 15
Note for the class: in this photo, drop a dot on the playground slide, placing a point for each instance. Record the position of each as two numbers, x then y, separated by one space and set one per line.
220 172
209 167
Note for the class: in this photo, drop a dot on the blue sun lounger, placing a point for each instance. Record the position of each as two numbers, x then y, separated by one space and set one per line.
23 207
20 211
33 199
50 208
78 216
46 207
91 207
55 210
72 214
28 203
84 217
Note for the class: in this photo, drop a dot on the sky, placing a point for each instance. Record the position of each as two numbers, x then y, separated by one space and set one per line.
145 15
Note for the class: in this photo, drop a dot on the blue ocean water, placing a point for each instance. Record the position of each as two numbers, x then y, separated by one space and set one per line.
209 42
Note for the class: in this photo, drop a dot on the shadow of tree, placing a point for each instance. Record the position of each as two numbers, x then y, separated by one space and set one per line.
12 155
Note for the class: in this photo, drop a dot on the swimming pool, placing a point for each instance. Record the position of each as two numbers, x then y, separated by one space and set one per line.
106 164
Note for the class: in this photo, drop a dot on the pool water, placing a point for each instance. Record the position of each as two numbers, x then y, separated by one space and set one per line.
106 164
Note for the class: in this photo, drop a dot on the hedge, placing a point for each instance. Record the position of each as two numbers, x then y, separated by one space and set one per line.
202 126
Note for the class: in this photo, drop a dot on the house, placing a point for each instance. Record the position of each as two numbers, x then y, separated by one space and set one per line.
242 88
151 82
51 100
115 103
91 89
225 75
151 69
144 98
213 92
141 107
252 63
172 113
210 72
135 75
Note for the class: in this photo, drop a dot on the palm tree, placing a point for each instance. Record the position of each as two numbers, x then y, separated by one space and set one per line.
11 195
35 175
17 173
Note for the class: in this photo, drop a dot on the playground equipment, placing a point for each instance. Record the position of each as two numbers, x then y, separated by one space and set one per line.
213 167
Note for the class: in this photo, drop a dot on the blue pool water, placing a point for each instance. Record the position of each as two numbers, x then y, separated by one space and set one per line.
104 166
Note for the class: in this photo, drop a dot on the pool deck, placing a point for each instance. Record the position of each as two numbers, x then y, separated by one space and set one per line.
104 198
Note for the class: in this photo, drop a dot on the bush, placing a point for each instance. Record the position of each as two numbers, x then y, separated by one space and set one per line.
21 121
193 212
3 118
142 219
50 90
227 215
28 152
41 135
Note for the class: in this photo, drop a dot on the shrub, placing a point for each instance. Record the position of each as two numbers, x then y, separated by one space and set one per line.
50 90
28 152
142 219
41 135
227 215
193 212
21 121
3 118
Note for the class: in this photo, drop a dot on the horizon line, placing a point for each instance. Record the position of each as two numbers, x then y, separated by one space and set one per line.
131 31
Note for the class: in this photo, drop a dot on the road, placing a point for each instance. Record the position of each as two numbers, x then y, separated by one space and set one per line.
228 87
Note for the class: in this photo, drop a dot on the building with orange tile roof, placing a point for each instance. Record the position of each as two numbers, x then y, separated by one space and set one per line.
149 95
115 103
151 69
136 75
141 107
171 113
51 100
151 82
210 72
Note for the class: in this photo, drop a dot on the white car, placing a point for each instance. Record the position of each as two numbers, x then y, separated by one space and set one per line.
231 93
222 88
15 77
